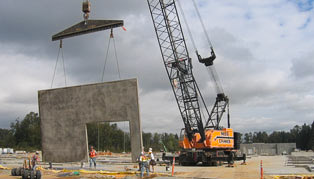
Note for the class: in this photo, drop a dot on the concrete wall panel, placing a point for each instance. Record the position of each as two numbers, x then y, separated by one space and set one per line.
64 113
267 148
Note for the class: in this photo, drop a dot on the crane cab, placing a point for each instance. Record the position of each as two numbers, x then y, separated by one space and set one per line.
215 139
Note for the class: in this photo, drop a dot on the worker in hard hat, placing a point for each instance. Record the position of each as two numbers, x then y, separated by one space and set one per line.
92 156
138 160
143 160
152 161
35 160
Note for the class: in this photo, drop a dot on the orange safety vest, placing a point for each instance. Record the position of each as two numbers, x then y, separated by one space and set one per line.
143 158
92 153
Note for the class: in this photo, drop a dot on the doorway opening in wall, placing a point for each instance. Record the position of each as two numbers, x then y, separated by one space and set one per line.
109 137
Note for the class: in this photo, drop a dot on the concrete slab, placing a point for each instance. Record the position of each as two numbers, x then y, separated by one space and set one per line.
64 113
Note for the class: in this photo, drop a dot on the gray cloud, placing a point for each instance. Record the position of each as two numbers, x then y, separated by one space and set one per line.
254 71
303 67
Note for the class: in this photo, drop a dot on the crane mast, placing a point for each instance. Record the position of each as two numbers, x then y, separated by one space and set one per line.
207 143
177 63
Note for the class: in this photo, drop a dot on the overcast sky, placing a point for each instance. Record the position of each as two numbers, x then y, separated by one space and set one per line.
264 48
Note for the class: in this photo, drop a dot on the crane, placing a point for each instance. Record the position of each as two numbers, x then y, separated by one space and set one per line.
204 140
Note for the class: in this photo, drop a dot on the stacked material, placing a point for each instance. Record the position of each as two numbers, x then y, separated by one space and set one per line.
301 161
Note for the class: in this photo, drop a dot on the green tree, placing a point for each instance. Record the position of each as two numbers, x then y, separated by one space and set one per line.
147 140
248 138
241 138
27 133
310 143
304 137
295 133
104 136
157 145
260 137
6 138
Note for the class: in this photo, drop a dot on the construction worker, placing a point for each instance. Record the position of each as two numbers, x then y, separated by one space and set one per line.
92 156
139 158
143 160
35 160
152 161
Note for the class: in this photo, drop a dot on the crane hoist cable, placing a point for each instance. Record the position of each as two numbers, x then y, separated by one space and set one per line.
115 54
106 58
211 69
103 73
118 68
55 69
202 23
187 26
194 46
213 73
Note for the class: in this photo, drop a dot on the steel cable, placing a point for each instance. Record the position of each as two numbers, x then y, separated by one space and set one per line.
54 72
202 23
103 73
106 58
116 55
65 77
187 26
63 63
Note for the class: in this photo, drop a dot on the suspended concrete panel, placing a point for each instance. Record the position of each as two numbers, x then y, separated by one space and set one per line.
64 113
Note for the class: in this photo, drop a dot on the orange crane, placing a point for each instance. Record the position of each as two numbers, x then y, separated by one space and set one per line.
204 140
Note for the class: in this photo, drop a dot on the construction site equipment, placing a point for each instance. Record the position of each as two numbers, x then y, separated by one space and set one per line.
87 26
86 10
26 171
209 143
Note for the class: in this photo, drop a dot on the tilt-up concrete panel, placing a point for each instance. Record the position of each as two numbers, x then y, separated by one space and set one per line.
64 113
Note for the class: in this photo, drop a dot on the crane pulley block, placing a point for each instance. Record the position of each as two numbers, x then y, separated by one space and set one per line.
86 7
209 61
221 97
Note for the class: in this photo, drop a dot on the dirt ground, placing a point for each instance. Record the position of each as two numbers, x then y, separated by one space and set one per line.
273 166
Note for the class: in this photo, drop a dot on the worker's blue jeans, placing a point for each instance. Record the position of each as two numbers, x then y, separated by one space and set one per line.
92 160
35 167
144 165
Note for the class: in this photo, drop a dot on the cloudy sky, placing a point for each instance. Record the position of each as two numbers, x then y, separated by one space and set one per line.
265 58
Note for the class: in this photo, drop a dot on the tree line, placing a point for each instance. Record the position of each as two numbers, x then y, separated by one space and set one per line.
105 136
22 135
26 135
303 136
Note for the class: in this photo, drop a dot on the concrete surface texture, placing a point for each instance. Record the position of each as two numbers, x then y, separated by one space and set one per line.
267 148
64 113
